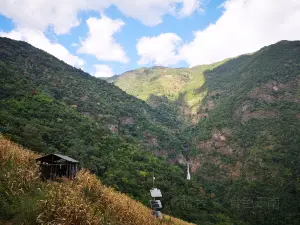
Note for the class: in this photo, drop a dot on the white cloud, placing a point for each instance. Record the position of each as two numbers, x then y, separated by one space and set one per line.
189 7
63 15
39 14
100 41
102 71
75 45
150 12
244 27
159 50
39 40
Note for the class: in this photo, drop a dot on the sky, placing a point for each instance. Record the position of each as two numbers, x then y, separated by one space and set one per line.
108 37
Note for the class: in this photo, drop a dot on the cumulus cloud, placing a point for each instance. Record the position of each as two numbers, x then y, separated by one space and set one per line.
159 50
32 17
189 7
245 26
100 41
63 15
39 40
102 71
39 14
150 12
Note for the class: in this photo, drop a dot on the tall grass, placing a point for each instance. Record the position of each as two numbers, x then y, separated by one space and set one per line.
25 199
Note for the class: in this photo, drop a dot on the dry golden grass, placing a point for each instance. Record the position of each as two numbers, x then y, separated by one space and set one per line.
83 200
18 166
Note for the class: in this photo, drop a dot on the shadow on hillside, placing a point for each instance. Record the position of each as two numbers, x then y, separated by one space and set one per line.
218 77
194 103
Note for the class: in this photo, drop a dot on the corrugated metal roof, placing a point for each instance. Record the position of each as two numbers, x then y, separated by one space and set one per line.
67 158
64 157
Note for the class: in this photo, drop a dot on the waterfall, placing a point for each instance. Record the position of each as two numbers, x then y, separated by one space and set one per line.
188 177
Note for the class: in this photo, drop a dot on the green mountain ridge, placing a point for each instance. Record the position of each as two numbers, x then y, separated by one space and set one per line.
90 96
236 123
241 120
49 106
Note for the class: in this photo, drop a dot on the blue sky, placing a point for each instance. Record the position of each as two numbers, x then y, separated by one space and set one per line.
113 36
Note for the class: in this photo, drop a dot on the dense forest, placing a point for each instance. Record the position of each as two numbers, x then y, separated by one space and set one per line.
236 123
45 106
241 120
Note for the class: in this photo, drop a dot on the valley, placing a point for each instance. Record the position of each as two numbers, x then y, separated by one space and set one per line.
239 117
235 122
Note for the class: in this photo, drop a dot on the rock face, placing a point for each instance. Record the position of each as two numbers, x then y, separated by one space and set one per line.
217 143
181 159
126 120
259 114
274 91
211 105
150 140
161 153
233 171
195 163
216 151
113 128
199 116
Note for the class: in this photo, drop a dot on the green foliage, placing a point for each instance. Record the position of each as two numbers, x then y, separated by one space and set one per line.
90 96
253 99
256 98
267 147
49 107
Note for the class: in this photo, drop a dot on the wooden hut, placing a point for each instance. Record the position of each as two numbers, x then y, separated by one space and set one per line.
56 165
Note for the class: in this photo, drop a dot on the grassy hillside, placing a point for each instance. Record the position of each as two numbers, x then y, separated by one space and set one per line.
244 128
177 85
37 110
25 199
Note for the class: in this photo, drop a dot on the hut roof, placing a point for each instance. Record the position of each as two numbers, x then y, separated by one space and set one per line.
64 157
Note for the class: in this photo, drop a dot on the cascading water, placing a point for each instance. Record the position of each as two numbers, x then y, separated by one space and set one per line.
188 177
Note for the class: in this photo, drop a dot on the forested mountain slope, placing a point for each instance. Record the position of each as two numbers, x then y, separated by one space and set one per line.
236 122
105 103
49 106
243 127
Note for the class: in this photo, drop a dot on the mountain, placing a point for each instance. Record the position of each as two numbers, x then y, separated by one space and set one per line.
84 200
236 123
177 85
241 120
105 103
49 106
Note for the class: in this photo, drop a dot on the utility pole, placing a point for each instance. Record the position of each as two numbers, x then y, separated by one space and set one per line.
153 179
